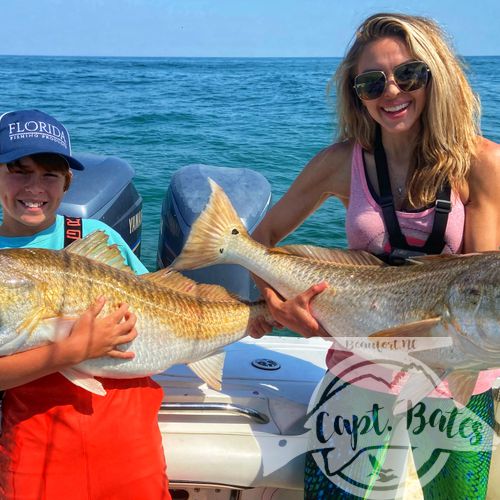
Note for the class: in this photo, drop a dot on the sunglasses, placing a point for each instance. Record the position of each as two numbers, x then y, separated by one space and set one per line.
409 76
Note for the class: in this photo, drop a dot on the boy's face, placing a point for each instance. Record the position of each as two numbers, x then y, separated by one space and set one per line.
30 195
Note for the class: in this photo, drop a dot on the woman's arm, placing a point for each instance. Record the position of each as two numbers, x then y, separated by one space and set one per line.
327 174
90 337
482 207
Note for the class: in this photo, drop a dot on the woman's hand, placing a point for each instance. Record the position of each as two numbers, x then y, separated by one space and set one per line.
295 313
92 337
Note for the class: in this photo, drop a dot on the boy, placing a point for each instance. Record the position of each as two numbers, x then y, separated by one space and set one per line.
58 440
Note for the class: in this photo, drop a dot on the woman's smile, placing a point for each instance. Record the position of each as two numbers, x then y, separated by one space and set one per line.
396 108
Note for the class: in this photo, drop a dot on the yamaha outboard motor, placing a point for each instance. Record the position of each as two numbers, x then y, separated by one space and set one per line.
104 191
189 191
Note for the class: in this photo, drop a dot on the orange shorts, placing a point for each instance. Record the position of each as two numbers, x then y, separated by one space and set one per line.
59 441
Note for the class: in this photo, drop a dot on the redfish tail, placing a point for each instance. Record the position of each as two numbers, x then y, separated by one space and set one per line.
207 242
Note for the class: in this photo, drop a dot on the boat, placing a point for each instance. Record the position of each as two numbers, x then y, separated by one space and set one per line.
116 202
248 440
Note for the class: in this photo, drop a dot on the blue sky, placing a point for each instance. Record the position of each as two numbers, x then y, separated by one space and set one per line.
248 28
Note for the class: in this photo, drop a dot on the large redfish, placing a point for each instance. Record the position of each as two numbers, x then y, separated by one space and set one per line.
455 298
42 292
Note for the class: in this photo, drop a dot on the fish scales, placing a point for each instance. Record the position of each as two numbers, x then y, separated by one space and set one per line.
173 326
74 282
360 299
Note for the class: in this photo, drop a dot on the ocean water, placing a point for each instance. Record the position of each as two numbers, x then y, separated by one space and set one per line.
271 115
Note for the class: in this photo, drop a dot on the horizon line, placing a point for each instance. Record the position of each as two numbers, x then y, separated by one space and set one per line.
200 57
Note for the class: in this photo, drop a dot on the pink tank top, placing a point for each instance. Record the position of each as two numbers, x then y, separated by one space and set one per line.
366 231
365 223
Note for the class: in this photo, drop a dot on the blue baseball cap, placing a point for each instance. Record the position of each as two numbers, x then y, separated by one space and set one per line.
29 131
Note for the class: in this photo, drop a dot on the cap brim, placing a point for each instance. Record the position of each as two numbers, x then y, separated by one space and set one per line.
73 163
20 153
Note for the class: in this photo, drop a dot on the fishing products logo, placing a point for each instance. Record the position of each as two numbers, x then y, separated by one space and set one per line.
371 424
37 129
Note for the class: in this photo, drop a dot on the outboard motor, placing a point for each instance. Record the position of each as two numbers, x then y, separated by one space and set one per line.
188 194
104 191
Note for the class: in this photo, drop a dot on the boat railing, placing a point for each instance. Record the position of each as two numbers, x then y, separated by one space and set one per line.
231 408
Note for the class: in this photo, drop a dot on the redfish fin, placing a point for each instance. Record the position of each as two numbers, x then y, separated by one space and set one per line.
173 280
170 279
461 384
442 257
32 320
84 381
95 246
419 385
333 255
206 242
210 369
422 328
57 328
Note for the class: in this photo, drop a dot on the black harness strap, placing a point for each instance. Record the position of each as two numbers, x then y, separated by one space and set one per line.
72 229
386 201
442 208
400 249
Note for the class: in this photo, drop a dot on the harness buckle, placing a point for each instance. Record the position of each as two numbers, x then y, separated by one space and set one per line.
443 206
400 256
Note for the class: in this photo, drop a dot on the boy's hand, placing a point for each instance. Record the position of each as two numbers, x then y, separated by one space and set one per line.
92 337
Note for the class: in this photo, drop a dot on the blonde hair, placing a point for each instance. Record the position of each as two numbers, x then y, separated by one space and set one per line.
449 121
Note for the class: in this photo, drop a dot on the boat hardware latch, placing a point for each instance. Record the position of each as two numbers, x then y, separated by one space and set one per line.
266 364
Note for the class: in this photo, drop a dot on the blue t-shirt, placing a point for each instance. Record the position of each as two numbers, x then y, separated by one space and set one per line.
52 238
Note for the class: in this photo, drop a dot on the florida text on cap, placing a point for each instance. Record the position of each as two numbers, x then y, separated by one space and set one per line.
29 131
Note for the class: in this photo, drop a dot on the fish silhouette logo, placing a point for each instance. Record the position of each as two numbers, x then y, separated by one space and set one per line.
382 475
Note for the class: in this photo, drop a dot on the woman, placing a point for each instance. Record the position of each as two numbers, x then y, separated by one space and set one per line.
404 103
58 440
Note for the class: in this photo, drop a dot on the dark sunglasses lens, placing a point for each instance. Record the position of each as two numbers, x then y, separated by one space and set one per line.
411 76
370 85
